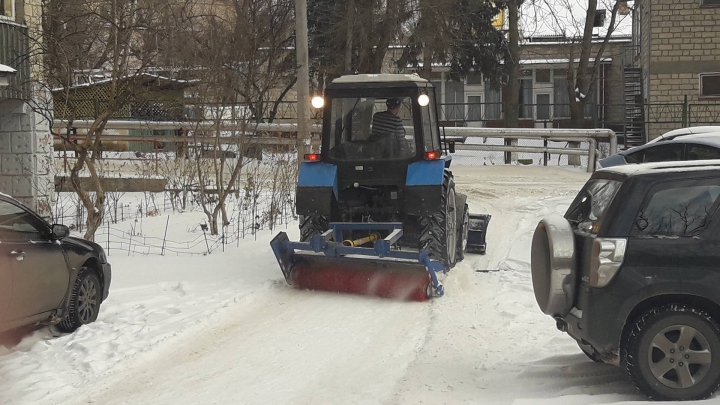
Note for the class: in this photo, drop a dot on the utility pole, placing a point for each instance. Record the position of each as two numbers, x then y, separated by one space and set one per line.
303 79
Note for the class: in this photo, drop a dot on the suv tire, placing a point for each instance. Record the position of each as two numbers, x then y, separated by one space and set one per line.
672 353
553 265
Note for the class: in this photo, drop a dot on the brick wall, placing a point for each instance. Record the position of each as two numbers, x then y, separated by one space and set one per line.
25 155
682 44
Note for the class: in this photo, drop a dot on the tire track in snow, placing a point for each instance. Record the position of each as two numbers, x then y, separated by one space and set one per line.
489 342
289 347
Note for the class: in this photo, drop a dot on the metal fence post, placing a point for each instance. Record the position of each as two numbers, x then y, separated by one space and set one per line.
591 155
685 113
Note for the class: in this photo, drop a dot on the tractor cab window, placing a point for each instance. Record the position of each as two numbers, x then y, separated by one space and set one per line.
368 128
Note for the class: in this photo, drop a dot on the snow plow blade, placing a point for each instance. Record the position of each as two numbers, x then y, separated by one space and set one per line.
379 271
477 230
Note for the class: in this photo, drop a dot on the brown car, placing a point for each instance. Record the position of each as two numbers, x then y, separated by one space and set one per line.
47 276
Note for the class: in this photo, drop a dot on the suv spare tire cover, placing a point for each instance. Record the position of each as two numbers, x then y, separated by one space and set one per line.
553 265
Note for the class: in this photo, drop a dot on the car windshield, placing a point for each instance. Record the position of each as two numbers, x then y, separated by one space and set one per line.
369 128
590 206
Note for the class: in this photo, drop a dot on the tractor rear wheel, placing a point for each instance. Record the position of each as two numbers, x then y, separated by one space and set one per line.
462 237
312 225
438 231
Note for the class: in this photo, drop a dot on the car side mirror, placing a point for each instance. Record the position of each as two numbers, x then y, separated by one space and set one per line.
451 146
60 231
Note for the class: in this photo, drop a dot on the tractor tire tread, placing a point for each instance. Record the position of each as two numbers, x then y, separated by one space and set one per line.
432 228
312 225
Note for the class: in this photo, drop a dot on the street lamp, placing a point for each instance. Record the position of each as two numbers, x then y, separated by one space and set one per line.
6 72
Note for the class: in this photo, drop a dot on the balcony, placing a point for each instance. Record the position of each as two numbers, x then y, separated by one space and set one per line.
13 52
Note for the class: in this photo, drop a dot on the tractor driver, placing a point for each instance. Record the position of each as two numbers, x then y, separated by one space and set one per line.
388 132
387 124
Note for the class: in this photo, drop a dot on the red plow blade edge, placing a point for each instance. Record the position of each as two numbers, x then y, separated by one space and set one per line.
379 278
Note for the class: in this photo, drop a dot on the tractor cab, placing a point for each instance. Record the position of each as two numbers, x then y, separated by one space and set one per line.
383 117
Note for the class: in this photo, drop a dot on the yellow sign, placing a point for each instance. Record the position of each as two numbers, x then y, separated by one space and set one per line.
499 21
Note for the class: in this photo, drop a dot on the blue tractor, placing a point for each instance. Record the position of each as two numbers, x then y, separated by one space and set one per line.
378 209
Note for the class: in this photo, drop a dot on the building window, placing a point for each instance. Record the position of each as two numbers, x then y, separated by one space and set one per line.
710 85
711 3
562 99
526 98
543 107
475 108
6 8
493 101
454 100
542 76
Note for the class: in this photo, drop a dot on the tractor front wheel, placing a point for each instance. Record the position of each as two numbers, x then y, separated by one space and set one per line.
312 225
438 233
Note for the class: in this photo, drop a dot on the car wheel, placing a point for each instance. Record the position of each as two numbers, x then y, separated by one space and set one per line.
673 353
84 304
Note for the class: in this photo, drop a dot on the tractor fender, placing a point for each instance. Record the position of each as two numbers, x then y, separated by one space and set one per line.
317 188
424 186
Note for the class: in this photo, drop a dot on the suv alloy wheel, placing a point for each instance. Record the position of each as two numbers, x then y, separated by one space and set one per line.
672 353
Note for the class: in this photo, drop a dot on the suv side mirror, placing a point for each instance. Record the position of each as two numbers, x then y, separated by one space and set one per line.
60 231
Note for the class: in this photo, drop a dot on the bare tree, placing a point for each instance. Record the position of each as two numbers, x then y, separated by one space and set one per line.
584 50
242 49
79 38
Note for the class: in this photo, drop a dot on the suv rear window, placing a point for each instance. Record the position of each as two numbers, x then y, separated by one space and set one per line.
588 209
676 211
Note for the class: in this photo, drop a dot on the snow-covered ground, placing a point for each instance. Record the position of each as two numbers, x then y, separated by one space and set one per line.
225 328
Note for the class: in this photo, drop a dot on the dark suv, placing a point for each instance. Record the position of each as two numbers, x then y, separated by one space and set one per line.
632 272
47 276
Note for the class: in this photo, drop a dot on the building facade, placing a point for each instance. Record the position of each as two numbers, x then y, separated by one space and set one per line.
678 60
544 97
25 139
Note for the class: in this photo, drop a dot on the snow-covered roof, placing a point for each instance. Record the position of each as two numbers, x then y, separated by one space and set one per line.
379 78
6 69
126 77
566 19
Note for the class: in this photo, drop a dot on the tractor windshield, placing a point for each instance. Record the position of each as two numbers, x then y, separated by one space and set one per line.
366 128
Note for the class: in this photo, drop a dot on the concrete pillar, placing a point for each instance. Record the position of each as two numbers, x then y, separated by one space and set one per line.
26 156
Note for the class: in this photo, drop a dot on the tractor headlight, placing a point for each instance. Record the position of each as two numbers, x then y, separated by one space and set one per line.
318 102
423 100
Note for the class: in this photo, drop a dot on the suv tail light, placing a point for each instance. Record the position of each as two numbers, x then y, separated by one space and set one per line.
607 257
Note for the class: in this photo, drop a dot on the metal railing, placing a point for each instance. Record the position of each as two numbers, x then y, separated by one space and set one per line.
272 136
174 110
591 137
